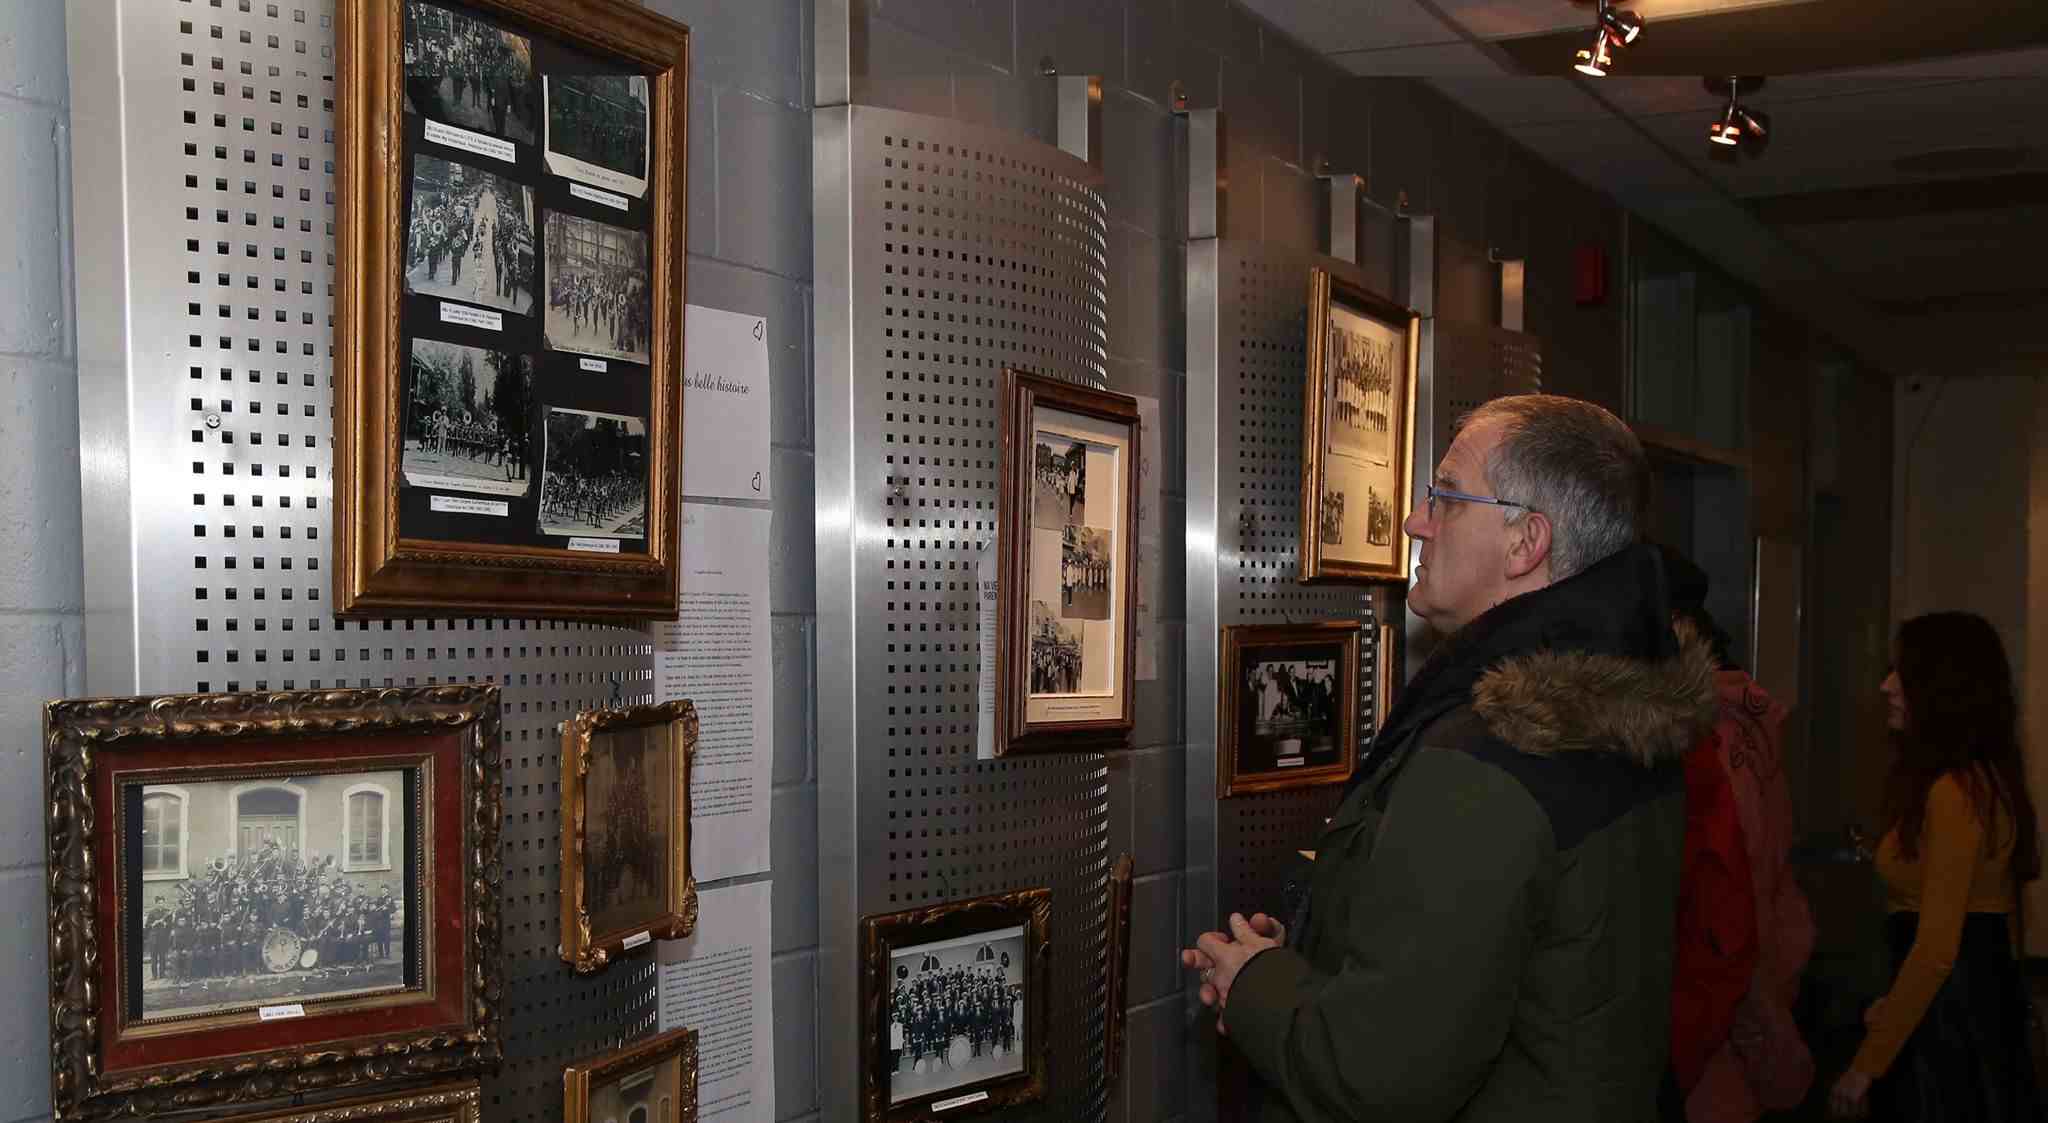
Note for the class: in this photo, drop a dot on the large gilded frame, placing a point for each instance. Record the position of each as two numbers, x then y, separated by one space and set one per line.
101 1068
376 571
581 948
445 1103
581 1079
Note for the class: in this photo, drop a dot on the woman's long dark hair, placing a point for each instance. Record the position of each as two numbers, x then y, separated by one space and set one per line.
1961 720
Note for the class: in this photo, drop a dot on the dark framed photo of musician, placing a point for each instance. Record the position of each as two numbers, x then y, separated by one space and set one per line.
651 1081
248 886
1067 524
1359 435
511 188
953 1001
626 878
1287 709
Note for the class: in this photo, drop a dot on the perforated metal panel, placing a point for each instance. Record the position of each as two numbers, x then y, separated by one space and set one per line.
945 252
223 497
1478 364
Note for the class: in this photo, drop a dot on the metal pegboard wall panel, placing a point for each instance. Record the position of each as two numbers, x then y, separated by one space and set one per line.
230 211
1476 364
973 249
1262 348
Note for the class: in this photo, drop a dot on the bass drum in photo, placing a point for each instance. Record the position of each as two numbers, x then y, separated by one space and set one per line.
282 950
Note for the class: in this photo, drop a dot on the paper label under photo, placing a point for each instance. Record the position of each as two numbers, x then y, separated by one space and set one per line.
593 366
461 505
604 198
471 317
1077 564
594 545
452 137
597 129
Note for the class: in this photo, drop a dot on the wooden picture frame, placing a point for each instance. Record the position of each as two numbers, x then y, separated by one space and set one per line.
1383 659
509 442
446 1103
1001 942
257 895
1066 642
1358 436
1117 967
1287 706
660 1072
605 760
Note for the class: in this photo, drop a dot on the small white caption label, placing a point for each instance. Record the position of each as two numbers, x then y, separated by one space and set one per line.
595 545
472 142
274 1013
472 317
462 505
598 366
606 198
958 1101
1290 762
635 941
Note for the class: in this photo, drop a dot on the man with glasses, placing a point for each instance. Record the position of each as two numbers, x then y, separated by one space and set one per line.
1488 929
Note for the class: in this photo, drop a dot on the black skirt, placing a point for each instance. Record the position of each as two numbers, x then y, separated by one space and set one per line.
1968 1060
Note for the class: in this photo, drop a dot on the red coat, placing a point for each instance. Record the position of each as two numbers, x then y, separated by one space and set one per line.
1716 947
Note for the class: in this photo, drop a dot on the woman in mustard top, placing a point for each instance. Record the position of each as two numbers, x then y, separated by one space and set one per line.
1949 1041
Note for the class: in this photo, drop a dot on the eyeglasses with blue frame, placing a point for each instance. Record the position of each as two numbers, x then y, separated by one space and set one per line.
1444 493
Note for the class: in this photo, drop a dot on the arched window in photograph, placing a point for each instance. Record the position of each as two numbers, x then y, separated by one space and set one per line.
366 828
163 834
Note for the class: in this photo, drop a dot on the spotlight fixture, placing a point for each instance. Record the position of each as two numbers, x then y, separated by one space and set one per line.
1738 127
1612 30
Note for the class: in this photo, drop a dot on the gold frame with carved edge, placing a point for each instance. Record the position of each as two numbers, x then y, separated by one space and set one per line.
445 1103
1238 640
1323 288
580 1079
376 571
581 948
82 738
1030 909
1117 967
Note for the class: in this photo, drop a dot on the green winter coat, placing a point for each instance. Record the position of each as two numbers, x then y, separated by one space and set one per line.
1488 933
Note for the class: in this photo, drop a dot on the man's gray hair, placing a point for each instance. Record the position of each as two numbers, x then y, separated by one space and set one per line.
1578 464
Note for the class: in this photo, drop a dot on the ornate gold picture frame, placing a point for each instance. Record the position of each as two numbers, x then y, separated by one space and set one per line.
446 1103
510 194
1358 435
994 953
626 878
1287 706
658 1075
256 895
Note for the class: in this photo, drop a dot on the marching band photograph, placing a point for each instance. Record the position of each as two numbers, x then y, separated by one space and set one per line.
1059 482
1055 652
263 892
466 420
598 296
471 236
1085 559
625 875
594 475
1361 390
465 72
956 1013
597 124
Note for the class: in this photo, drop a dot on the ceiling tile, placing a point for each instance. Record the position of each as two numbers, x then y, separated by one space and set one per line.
1509 101
1501 19
1440 59
1328 26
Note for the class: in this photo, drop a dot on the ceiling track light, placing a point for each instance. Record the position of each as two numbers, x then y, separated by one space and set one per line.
1612 30
1597 61
1738 127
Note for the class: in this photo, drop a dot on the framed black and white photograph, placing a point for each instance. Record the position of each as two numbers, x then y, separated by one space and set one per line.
1067 516
597 130
1357 444
651 1081
597 288
626 844
1288 709
594 475
468 420
469 73
955 1001
471 236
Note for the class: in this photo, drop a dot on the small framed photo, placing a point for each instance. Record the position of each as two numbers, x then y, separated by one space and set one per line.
1288 706
1067 524
626 831
1359 439
953 1007
447 1103
258 894
654 1081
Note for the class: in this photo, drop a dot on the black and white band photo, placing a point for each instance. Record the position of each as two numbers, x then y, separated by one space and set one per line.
1085 571
597 129
594 477
1291 707
598 294
956 1013
1379 518
1056 662
465 72
471 236
272 891
1361 360
1330 517
468 414
1059 481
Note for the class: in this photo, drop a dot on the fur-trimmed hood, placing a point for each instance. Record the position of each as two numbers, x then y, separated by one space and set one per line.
1550 702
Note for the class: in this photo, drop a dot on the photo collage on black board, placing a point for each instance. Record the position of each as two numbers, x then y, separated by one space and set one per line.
528 313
